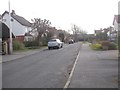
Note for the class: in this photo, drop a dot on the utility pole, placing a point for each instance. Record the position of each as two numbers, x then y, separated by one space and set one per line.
10 31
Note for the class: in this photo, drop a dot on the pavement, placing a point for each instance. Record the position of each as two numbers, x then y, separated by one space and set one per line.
95 69
20 54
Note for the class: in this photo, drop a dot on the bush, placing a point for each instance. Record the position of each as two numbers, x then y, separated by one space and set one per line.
17 45
106 45
96 46
31 43
44 41
112 46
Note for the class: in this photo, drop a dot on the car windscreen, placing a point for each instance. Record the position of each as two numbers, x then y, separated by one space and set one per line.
52 40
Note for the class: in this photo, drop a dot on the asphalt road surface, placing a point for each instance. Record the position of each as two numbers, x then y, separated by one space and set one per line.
46 69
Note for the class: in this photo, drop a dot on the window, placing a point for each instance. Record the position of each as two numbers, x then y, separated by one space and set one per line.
12 20
52 40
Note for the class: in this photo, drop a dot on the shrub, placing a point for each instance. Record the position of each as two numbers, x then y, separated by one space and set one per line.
31 43
112 46
44 41
17 45
106 45
96 46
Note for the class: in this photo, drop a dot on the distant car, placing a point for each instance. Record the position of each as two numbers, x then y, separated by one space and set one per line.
71 41
55 43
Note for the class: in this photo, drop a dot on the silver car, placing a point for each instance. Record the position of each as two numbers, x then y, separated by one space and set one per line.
55 43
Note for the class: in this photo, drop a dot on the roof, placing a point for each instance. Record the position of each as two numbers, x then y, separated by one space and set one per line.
20 19
97 31
28 34
117 18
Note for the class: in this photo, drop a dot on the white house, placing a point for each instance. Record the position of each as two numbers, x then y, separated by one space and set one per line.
29 37
116 24
19 25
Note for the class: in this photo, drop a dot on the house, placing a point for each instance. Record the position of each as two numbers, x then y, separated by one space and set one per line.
19 25
116 28
29 37
116 22
98 31
101 34
112 34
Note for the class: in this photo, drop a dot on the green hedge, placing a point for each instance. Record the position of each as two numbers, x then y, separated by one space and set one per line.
31 43
104 45
112 46
17 45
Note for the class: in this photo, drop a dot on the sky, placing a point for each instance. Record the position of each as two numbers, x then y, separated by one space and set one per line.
89 15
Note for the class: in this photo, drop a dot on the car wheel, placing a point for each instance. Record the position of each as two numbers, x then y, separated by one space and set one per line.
58 47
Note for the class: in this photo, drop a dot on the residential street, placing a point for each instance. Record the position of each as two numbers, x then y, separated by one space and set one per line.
45 69
51 68
55 48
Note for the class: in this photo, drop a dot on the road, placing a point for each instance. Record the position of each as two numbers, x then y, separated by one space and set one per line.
45 69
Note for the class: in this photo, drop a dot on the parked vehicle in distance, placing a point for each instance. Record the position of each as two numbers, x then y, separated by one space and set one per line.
71 41
55 43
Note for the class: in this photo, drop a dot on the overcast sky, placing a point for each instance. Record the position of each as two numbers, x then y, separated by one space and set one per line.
88 14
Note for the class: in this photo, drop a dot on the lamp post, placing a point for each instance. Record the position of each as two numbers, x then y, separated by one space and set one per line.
10 32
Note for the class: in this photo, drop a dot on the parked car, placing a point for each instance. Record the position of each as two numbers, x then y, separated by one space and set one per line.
71 41
55 43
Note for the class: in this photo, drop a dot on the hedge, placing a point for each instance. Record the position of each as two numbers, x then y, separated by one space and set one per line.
96 46
31 43
17 45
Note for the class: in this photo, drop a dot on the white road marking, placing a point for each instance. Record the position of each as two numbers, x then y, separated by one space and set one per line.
71 74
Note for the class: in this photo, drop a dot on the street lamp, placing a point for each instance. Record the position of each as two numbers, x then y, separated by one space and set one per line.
10 31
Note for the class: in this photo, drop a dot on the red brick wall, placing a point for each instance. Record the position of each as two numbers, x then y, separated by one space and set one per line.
20 38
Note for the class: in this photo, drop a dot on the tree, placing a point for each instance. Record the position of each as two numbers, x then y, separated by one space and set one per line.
62 36
75 29
78 33
102 35
40 26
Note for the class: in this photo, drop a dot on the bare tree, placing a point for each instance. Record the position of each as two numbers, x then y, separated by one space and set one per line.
78 32
40 26
75 29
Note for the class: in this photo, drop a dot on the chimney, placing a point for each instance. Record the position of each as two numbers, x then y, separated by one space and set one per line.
13 12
